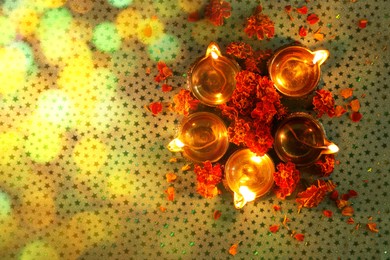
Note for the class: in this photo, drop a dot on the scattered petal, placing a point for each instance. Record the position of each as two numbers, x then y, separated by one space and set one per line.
288 10
334 195
372 227
339 111
355 105
155 108
327 213
299 236
166 88
318 36
312 19
193 17
302 31
163 72
276 207
233 249
347 211
217 10
186 167
274 228
285 221
362 23
356 116
163 209
171 177
171 193
350 221
341 203
302 10
173 160
347 92
352 193
217 214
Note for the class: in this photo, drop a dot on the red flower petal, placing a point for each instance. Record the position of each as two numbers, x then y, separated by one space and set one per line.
356 116
276 207
362 23
299 236
155 107
312 19
352 193
170 193
334 195
217 214
166 88
302 10
302 31
193 17
327 213
274 228
233 249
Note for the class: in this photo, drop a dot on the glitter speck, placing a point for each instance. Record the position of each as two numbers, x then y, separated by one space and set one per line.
162 244
338 16
358 79
192 243
166 225
172 234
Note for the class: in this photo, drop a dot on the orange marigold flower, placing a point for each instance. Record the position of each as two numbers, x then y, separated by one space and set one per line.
347 92
207 191
208 177
184 102
260 25
313 195
233 249
171 177
274 228
217 214
171 193
299 236
326 164
163 72
287 177
324 103
240 50
217 10
372 227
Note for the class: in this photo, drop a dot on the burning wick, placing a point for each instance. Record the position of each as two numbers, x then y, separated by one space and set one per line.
320 56
245 195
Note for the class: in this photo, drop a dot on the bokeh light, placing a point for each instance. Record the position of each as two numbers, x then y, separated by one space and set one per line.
120 3
26 49
149 30
39 250
5 205
121 184
10 142
26 20
7 29
191 6
106 37
54 106
127 22
13 66
166 48
49 3
90 154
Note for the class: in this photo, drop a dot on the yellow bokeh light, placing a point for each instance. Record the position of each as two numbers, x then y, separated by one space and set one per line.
54 106
9 147
39 250
191 6
127 22
149 30
90 154
26 20
49 3
12 69
80 32
120 184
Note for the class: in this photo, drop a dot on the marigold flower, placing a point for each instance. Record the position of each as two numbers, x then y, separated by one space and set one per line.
313 195
163 72
240 50
324 103
260 25
286 178
183 102
217 10
207 191
208 177
326 165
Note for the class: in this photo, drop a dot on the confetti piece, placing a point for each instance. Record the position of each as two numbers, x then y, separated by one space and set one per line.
233 249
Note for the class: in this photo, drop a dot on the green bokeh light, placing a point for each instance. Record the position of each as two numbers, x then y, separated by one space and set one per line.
26 49
166 48
120 3
106 37
8 31
5 205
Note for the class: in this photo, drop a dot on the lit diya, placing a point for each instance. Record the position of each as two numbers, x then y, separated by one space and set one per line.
212 79
202 136
295 70
248 176
301 139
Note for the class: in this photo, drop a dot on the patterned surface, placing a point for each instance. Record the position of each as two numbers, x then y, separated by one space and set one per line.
83 163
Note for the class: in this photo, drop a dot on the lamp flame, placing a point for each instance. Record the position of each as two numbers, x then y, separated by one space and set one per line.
213 50
333 148
176 145
320 56
245 195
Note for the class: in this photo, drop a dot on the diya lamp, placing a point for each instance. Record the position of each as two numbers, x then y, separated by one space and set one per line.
295 70
212 78
301 139
248 176
202 136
